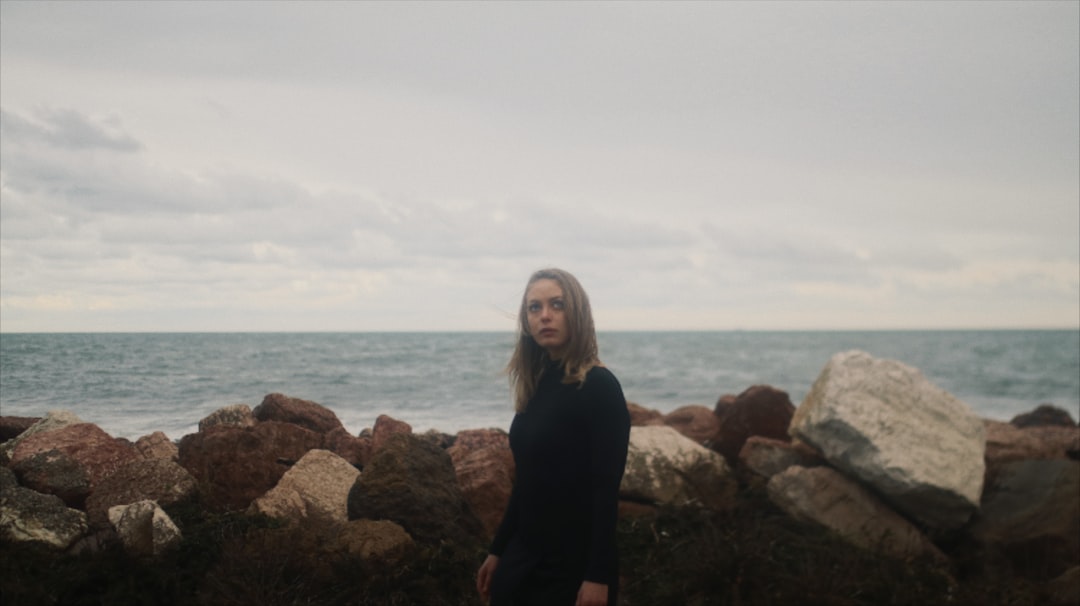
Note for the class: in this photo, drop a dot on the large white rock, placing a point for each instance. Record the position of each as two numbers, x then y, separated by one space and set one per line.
883 423
665 467
316 486
144 528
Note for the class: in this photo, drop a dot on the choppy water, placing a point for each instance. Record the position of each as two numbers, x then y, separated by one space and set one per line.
133 384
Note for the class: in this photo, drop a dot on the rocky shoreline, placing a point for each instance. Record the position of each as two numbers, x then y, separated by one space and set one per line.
878 484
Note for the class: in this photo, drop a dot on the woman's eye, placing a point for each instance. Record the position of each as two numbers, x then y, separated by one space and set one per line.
534 307
557 304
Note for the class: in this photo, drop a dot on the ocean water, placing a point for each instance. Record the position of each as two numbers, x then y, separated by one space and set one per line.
135 384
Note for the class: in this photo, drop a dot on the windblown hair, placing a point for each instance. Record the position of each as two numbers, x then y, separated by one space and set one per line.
581 354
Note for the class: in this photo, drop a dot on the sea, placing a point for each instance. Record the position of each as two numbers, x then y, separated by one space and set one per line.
133 384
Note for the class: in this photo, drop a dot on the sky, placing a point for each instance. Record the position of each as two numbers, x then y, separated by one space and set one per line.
367 166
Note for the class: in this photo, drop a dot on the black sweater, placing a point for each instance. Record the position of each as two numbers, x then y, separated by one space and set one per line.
570 451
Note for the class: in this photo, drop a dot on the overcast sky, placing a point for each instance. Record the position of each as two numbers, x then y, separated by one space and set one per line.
405 166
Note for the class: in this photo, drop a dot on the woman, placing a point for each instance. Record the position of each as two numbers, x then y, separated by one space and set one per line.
556 542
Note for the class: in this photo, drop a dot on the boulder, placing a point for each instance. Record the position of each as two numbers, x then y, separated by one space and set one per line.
11 427
55 419
235 415
1031 508
1044 415
144 528
760 410
157 446
1006 442
236 465
355 450
470 440
30 516
486 478
1062 441
306 414
639 415
883 423
695 422
412 482
665 467
87 446
824 496
762 457
160 480
54 472
438 438
386 426
374 540
316 487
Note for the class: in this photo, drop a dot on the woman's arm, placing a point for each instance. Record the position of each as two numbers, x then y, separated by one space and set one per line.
609 433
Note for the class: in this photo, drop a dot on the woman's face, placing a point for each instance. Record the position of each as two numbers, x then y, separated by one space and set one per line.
545 310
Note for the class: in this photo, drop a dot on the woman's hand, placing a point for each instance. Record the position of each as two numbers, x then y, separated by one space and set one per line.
483 576
592 594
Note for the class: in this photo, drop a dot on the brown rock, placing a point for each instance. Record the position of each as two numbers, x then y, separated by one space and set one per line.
412 482
470 440
236 465
1043 415
157 446
355 450
639 415
695 422
759 411
56 473
1062 441
1006 442
486 477
95 451
386 426
238 415
11 427
160 480
306 414
765 457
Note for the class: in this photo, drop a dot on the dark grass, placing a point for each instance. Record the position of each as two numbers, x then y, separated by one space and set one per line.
752 555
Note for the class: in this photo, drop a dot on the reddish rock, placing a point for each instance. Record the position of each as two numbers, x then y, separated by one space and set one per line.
763 457
95 451
306 414
157 446
1006 442
759 411
1062 441
640 416
54 472
486 477
470 440
11 427
724 403
386 426
695 422
355 450
236 465
1044 415
160 480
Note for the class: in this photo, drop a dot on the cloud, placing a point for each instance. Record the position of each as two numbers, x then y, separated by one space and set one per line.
67 128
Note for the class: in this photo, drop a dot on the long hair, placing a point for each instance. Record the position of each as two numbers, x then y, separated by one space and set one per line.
581 353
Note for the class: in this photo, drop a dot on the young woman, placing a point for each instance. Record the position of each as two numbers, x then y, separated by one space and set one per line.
556 543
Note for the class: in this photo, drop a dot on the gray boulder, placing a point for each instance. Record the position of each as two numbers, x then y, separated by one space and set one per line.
665 467
28 515
883 423
144 528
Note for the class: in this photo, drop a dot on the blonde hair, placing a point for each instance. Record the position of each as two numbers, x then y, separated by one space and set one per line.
581 354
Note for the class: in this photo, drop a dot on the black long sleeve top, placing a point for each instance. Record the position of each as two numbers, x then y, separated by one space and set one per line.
569 449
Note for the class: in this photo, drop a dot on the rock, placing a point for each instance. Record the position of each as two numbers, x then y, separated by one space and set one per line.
1031 507
1063 442
412 482
640 416
30 516
54 472
759 411
55 419
1065 589
1006 442
306 414
160 480
236 415
824 496
765 457
486 477
470 440
236 465
695 422
144 528
87 446
438 438
157 446
7 479
665 467
375 540
385 426
355 450
1043 415
883 423
316 487
11 427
